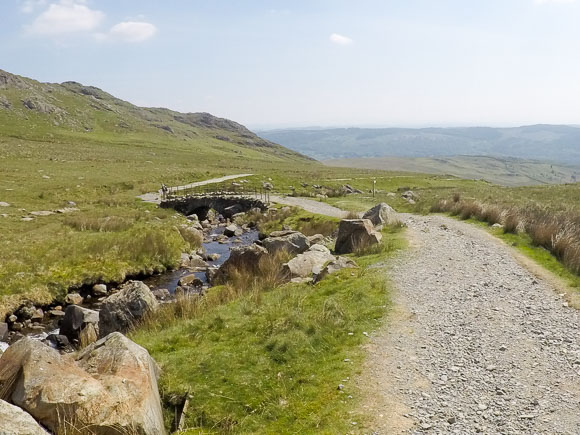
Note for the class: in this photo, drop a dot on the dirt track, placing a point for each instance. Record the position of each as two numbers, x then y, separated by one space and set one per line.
475 343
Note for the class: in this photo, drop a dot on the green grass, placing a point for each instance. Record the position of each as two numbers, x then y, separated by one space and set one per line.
103 159
271 362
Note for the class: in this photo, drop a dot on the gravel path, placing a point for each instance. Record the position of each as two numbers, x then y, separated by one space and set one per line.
475 344
310 205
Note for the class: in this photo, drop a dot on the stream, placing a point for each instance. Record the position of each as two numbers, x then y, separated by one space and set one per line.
167 280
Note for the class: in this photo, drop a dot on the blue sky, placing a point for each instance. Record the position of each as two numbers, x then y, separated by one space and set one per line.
312 62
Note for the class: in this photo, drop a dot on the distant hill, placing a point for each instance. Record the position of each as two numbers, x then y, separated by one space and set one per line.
540 142
48 111
507 171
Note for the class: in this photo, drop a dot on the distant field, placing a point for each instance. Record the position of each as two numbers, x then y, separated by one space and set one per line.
503 171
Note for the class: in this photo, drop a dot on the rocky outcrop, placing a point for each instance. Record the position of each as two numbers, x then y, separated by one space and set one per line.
76 319
122 310
303 265
354 234
290 241
15 421
381 214
111 388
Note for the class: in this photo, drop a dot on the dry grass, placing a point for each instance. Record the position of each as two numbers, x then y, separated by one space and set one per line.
267 275
324 227
559 233
352 215
511 221
491 214
470 209
99 224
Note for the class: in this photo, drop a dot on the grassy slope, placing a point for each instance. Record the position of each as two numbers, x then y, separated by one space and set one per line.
503 171
49 159
271 362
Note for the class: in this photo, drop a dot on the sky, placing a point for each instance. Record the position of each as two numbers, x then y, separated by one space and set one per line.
297 63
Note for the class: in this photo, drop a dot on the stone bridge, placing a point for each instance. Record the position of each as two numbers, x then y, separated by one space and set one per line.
200 205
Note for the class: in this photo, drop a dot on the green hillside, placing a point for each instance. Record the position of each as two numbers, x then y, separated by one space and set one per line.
504 171
76 146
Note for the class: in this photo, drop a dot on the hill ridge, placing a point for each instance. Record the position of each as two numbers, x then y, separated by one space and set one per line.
31 109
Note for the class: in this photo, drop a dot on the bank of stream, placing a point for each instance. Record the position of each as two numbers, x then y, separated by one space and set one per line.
215 245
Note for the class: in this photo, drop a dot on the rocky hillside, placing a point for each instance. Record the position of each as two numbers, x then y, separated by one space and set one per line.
44 111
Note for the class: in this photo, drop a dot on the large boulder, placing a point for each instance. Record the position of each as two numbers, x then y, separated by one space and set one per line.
48 385
354 234
303 265
241 258
129 374
110 389
15 421
122 310
76 319
290 241
381 214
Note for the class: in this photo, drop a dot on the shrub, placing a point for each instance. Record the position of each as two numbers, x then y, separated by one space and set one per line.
542 226
469 209
510 221
491 214
440 206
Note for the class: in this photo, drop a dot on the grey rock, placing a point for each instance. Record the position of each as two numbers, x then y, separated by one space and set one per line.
73 299
382 214
190 280
292 242
121 311
113 383
355 234
16 421
76 319
246 258
233 230
100 290
303 265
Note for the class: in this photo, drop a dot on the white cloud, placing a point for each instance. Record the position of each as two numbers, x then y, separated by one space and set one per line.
66 16
542 2
130 31
29 6
340 39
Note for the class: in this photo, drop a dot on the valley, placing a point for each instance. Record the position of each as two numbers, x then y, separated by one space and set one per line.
281 340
